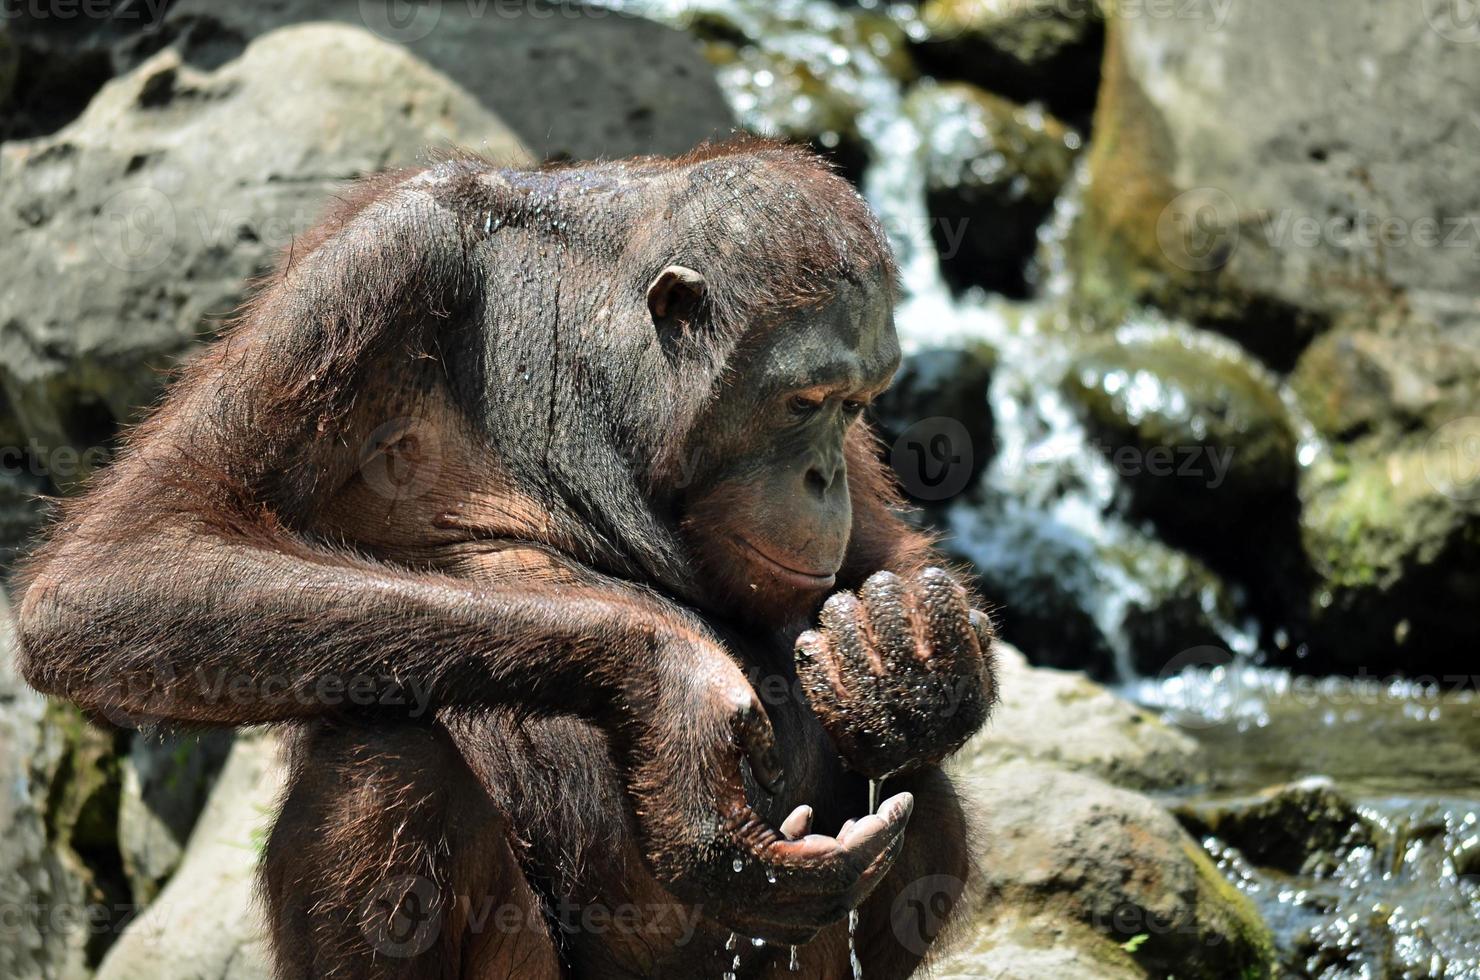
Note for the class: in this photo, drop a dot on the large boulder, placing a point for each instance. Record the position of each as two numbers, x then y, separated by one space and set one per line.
1068 849
172 189
1215 193
1063 718
571 80
50 895
206 924
166 779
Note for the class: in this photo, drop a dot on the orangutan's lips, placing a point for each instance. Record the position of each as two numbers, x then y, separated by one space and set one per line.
794 576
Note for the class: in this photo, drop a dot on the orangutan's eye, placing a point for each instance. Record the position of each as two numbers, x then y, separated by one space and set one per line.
803 405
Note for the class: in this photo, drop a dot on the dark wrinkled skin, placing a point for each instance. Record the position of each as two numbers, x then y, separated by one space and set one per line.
561 466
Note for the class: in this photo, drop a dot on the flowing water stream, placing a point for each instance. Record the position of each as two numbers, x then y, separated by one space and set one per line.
1401 897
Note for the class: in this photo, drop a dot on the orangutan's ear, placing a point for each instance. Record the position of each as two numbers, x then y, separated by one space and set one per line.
675 297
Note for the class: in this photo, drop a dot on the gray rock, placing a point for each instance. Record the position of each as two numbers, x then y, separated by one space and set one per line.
1036 948
46 934
1065 719
173 188
206 924
166 780
570 80
1114 862
1216 193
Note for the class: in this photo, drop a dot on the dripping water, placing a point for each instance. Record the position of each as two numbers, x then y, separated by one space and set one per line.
853 961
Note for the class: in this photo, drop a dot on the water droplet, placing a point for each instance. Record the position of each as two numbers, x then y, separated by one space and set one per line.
794 964
757 942
738 865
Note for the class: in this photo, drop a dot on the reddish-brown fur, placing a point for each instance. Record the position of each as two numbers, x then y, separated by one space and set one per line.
482 334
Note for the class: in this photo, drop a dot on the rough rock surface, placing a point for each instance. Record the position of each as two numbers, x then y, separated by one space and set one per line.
176 185
1274 215
1114 862
166 780
206 924
607 84
1062 718
45 936
1025 49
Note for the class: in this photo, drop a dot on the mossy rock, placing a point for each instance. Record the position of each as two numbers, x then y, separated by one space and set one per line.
785 80
1024 49
1299 828
1116 862
1394 539
1388 382
992 171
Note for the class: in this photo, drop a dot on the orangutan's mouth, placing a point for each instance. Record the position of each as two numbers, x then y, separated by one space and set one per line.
794 576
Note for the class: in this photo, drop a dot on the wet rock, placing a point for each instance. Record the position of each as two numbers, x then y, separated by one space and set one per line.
1299 828
806 78
47 891
1386 383
1063 718
173 188
1202 443
936 421
1024 49
1036 574
1035 948
206 925
1394 539
1303 217
1179 605
166 779
992 171
1199 438
1112 861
